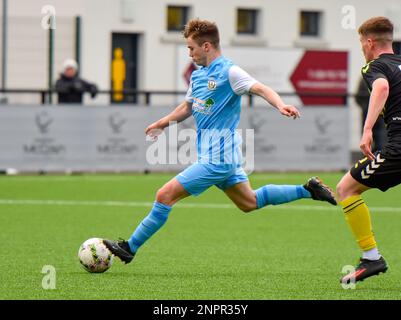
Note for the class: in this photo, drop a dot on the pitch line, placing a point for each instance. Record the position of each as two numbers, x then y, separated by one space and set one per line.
179 205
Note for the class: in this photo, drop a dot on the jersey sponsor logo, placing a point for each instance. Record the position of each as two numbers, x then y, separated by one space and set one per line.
203 106
211 84
209 103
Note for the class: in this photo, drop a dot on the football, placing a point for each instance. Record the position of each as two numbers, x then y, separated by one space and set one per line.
94 256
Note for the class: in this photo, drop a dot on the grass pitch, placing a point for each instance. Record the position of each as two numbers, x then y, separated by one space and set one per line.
207 250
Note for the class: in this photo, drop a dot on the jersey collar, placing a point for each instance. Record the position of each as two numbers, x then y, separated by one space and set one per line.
214 62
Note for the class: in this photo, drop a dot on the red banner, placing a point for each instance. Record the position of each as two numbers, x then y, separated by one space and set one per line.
320 76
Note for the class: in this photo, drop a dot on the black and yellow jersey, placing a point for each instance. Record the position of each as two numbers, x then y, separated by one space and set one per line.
388 66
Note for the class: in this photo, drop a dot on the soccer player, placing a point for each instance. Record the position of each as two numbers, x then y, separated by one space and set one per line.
381 170
214 100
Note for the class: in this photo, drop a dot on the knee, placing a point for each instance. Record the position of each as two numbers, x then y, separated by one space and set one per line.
164 196
341 191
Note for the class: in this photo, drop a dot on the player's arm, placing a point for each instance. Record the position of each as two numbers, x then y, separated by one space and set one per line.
274 99
180 113
378 98
241 82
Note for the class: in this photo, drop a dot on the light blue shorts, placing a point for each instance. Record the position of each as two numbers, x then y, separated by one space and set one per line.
199 176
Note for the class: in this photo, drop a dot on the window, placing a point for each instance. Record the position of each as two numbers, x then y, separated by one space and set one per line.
177 17
247 21
310 23
397 47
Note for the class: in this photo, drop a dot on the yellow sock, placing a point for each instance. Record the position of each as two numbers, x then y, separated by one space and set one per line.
358 218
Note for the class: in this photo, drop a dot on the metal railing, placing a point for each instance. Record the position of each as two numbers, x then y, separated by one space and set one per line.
45 95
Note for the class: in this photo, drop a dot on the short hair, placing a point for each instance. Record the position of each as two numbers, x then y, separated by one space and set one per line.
381 27
202 31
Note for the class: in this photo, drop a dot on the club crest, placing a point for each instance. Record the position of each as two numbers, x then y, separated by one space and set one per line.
212 84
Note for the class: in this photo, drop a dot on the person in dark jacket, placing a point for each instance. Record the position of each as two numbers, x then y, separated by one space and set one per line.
70 87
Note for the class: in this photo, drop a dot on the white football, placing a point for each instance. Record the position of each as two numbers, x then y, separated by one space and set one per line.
94 256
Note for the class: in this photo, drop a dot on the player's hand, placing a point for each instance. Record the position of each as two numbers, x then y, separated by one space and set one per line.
289 111
366 144
153 131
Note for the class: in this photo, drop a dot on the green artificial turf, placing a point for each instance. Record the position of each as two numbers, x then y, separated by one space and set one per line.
208 249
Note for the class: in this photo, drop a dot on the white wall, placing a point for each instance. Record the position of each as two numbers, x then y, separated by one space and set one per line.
279 29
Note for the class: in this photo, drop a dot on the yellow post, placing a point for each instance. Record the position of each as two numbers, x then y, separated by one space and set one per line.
118 73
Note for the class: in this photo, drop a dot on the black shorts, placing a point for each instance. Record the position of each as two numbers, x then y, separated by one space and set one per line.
380 173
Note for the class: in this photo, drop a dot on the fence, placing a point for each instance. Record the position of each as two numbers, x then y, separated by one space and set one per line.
43 95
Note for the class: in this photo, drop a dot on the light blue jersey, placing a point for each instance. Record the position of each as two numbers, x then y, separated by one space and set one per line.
215 93
216 108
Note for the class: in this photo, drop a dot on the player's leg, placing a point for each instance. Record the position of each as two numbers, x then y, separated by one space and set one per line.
278 194
238 189
357 215
166 197
243 196
192 181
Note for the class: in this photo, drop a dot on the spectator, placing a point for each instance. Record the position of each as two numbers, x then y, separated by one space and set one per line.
379 132
70 87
